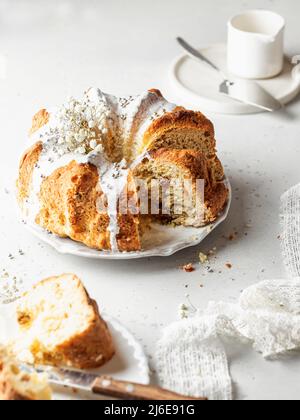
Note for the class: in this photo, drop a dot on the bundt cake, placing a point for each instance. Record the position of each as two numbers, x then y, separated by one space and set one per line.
17 385
90 157
60 325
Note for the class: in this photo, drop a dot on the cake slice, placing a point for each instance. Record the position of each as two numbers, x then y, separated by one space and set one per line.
183 129
199 203
60 325
17 385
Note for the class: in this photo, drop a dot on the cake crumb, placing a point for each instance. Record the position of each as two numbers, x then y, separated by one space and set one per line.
228 265
213 251
203 258
188 268
183 311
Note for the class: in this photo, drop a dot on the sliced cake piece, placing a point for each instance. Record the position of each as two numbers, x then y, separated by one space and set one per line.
184 130
183 168
17 385
60 325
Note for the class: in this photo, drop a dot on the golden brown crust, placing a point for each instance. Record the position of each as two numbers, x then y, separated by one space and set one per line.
216 169
31 157
26 168
40 119
69 208
181 120
216 200
94 347
91 349
156 92
68 200
182 117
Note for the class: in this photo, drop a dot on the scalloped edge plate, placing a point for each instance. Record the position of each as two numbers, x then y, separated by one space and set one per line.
129 363
163 241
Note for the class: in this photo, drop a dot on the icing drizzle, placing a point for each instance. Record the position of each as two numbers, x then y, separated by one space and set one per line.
98 129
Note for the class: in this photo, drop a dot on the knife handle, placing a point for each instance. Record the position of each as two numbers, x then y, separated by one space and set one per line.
131 391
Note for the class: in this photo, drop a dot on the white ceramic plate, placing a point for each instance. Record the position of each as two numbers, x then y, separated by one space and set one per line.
198 84
129 363
162 241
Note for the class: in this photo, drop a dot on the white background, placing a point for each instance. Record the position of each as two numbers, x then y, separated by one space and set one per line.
54 49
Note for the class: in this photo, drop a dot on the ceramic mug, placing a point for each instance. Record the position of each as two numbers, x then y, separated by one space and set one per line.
256 44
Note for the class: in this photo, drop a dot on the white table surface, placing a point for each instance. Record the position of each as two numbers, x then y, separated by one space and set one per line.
54 49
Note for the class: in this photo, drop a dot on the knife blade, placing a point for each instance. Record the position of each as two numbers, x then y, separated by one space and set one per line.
104 385
242 90
82 381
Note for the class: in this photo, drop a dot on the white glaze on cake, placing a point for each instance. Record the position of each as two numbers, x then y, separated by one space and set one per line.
102 130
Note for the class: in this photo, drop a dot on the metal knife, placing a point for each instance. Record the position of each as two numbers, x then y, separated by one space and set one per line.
105 386
242 90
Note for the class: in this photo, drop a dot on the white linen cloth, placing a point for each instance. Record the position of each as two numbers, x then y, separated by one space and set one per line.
191 357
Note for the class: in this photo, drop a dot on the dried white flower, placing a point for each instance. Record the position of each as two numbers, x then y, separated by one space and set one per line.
99 148
73 127
93 144
78 108
81 150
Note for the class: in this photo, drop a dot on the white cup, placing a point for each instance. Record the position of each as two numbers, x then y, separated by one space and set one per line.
256 44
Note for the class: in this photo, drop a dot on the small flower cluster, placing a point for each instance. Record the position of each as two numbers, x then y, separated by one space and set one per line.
83 125
79 127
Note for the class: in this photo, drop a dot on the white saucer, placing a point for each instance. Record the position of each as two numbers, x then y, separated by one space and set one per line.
198 84
162 241
129 363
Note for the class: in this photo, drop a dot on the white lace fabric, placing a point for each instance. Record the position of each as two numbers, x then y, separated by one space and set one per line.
192 360
191 357
290 239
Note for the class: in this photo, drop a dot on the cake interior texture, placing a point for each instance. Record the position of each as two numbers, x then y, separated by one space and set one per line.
16 384
181 202
60 325
90 153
